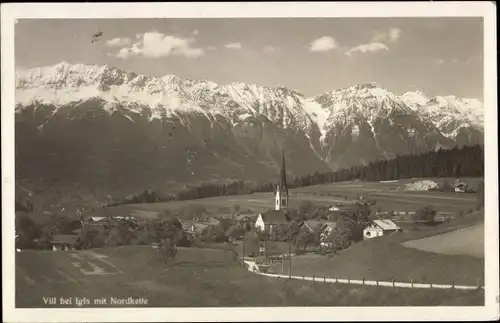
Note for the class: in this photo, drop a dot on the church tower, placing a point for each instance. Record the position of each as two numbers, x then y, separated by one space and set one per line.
281 201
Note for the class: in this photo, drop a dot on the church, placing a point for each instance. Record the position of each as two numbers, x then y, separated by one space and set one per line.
275 221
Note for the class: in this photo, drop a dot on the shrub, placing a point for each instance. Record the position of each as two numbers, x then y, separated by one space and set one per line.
425 214
446 187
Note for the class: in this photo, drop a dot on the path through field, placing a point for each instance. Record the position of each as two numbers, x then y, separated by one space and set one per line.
467 241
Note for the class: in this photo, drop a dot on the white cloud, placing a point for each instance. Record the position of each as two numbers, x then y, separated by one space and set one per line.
233 46
391 36
118 42
154 45
394 34
439 61
368 48
323 44
269 49
211 48
378 42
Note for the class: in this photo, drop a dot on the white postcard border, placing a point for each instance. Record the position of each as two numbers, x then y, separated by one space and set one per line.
11 12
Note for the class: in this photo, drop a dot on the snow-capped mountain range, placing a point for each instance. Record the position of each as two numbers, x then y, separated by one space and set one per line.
65 83
151 124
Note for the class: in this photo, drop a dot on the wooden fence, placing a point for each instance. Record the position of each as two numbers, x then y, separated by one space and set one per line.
337 280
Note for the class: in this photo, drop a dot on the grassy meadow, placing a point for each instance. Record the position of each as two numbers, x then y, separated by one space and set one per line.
199 278
385 194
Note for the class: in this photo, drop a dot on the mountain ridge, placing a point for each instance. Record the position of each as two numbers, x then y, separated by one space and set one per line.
119 131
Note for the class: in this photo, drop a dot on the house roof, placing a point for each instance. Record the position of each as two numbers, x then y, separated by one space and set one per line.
315 225
119 217
276 217
213 221
97 218
200 226
241 217
386 224
64 239
340 207
186 224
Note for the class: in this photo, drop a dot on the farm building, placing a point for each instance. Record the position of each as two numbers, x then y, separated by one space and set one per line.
460 187
64 242
97 220
212 222
126 218
195 228
246 222
377 228
340 208
245 218
315 226
324 228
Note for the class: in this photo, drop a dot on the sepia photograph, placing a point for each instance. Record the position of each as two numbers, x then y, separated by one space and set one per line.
233 162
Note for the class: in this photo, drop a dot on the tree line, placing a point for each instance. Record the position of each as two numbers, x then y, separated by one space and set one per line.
466 161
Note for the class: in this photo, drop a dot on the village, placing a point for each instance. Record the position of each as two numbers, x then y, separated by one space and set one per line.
275 234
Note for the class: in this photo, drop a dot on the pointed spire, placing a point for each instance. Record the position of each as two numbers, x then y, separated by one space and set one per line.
283 185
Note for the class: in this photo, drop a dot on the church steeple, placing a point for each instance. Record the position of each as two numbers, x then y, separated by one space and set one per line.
283 186
282 189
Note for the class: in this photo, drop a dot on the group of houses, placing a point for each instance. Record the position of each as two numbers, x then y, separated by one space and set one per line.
273 222
277 220
68 242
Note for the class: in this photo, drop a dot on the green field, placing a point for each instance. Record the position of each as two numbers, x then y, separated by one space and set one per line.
199 277
386 258
385 195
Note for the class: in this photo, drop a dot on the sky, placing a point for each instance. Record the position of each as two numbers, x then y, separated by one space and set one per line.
438 56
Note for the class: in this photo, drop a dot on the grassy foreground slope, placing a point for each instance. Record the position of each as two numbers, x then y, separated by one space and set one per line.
200 278
467 241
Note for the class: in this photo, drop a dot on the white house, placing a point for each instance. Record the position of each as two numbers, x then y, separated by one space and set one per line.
378 228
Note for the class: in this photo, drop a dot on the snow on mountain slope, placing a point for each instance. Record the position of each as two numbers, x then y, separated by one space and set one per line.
345 126
105 128
65 83
367 120
366 101
449 114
